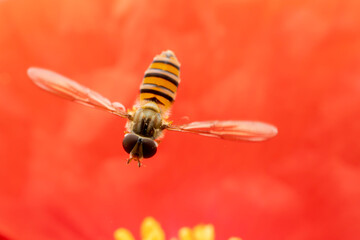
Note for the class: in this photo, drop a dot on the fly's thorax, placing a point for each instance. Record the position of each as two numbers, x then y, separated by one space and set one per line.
147 122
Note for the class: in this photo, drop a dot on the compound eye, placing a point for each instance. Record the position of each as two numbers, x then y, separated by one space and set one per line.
149 147
129 142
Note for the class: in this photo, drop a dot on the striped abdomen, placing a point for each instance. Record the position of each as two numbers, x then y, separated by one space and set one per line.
161 80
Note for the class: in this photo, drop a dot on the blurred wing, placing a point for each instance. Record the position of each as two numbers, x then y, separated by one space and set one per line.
73 91
229 130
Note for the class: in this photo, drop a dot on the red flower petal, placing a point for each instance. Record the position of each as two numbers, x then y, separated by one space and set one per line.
294 64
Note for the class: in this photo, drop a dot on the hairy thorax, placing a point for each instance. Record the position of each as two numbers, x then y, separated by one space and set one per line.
147 121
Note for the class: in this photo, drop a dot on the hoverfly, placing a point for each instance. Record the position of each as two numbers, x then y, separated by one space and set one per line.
149 116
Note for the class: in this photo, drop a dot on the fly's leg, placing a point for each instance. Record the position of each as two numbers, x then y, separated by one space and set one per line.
135 159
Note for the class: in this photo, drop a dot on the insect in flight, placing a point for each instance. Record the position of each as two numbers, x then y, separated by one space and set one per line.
149 116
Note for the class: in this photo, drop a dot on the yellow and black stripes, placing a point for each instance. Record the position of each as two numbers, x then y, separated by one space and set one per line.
161 80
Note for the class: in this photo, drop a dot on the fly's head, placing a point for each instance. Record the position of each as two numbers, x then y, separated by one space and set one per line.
139 147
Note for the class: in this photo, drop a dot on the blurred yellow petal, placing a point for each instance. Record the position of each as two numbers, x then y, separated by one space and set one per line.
185 233
204 232
235 238
151 230
123 234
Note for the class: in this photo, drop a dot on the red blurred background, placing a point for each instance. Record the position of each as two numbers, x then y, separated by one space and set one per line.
295 64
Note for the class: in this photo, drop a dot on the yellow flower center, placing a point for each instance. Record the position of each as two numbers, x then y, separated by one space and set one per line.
151 230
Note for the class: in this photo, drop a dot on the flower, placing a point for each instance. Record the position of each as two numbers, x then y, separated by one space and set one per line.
151 230
295 64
